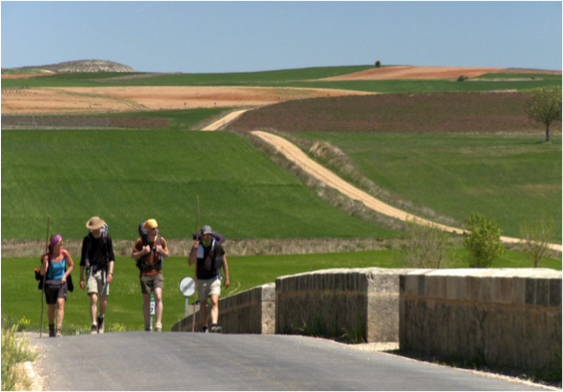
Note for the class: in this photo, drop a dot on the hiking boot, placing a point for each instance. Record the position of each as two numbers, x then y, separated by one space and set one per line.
59 334
216 329
204 329
158 327
52 333
94 329
100 324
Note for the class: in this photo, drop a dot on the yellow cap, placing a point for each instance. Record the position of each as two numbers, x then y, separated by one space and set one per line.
150 224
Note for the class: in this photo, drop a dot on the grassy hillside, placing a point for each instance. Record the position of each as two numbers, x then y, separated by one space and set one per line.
513 178
127 177
305 77
21 299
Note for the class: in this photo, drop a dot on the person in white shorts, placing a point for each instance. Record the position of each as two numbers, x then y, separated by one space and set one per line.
98 260
210 258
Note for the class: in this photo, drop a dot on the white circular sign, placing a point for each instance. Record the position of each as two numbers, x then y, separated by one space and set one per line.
187 286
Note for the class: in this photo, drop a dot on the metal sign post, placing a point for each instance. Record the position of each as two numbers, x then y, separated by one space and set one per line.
152 308
187 287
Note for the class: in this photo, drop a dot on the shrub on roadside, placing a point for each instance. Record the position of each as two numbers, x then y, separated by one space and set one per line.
482 239
425 247
14 351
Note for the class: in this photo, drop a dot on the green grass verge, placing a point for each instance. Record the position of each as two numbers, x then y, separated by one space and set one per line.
513 178
129 176
21 298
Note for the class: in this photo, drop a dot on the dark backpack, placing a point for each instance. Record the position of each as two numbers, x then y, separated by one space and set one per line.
39 277
106 247
144 237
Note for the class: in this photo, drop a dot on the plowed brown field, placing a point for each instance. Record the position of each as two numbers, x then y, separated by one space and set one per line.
114 99
411 72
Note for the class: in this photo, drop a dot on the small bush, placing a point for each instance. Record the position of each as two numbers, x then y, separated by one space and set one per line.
425 247
461 79
14 351
378 64
535 239
482 239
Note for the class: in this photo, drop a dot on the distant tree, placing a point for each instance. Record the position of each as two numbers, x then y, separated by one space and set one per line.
535 239
544 105
378 64
425 246
461 78
482 239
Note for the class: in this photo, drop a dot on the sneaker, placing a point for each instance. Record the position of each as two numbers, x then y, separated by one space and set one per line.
94 329
158 327
216 329
100 324
204 329
52 333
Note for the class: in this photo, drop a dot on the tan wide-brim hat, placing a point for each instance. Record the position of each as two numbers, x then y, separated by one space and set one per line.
95 223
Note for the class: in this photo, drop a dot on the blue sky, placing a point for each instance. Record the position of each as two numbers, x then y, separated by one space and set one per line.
257 36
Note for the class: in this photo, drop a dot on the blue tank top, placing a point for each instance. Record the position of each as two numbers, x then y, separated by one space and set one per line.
57 270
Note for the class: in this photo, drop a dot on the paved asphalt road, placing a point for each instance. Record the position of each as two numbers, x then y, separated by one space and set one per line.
186 361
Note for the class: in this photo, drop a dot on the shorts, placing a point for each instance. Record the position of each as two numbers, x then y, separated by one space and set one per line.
208 287
149 283
98 283
53 294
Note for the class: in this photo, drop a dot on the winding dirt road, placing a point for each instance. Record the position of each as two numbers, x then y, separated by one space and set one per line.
319 172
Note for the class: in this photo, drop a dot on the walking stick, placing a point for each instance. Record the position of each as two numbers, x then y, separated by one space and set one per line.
44 275
195 275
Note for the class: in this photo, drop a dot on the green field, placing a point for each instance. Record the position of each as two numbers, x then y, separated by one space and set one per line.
304 78
21 298
513 178
127 177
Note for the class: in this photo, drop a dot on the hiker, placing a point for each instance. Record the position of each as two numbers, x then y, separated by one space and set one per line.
56 266
149 251
98 260
210 258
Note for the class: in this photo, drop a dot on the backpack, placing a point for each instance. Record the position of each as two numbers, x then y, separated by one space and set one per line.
39 277
105 243
217 260
144 237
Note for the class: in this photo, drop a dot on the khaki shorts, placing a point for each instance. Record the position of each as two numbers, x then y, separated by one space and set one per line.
98 283
208 287
149 283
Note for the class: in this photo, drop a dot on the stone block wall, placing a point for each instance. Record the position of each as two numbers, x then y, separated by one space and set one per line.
503 317
360 304
251 311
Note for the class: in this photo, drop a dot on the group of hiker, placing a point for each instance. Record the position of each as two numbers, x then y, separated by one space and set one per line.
97 265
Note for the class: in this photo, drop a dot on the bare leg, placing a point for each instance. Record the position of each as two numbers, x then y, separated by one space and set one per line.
214 309
147 308
60 312
159 306
93 307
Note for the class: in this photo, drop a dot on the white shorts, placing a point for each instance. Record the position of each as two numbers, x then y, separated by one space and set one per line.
209 287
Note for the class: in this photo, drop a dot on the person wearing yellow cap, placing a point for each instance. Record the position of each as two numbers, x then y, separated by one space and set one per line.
149 252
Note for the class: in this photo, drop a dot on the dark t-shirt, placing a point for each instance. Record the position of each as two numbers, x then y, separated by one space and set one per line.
97 252
205 258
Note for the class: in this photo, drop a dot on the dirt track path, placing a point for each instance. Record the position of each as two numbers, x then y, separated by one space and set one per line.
295 155
228 118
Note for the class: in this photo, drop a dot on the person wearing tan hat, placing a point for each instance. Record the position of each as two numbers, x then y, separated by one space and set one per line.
98 260
149 253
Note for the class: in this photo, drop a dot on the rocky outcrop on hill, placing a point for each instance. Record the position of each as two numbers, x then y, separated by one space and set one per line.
85 66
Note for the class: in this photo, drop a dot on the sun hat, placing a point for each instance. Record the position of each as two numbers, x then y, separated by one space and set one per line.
150 224
95 223
206 230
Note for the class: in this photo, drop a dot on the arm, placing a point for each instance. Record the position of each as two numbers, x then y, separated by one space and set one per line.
163 249
70 266
82 283
110 271
226 269
193 253
44 264
137 253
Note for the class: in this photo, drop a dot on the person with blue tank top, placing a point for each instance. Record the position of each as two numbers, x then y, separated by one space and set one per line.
57 266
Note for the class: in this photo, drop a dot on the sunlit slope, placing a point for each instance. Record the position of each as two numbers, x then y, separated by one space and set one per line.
130 176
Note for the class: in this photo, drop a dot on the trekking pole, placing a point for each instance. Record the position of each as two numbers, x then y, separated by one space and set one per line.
195 268
44 275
